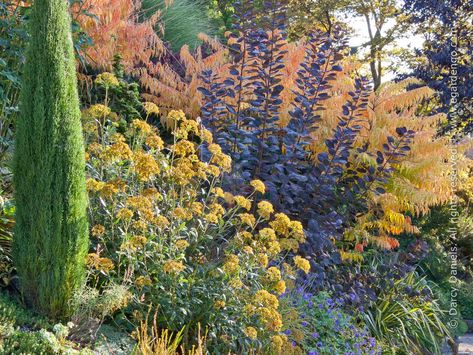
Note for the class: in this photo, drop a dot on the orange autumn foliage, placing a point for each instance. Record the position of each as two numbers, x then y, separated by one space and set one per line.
169 89
114 28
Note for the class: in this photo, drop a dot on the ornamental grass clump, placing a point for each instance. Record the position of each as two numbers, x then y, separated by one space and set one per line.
51 238
162 225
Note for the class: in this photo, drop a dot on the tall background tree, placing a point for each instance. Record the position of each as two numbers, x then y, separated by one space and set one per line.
384 23
447 27
51 240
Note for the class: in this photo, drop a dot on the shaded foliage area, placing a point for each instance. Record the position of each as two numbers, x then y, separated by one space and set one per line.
13 37
447 27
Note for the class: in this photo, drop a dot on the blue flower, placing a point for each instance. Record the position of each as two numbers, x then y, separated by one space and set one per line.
287 332
313 352
304 323
372 342
315 335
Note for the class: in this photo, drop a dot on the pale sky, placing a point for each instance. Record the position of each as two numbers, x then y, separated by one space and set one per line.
360 36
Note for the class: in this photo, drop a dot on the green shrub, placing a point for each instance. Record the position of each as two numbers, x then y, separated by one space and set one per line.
13 341
23 332
6 237
465 299
443 296
27 343
50 240
11 312
13 38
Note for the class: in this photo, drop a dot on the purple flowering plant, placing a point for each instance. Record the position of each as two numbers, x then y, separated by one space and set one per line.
318 324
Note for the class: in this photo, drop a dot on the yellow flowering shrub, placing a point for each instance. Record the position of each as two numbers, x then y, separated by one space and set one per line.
162 225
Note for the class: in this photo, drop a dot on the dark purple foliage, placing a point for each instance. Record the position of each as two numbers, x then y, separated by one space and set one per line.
324 193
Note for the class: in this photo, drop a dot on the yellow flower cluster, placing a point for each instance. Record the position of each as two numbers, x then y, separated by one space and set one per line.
151 108
116 152
177 115
154 142
262 259
281 224
216 212
248 219
183 148
265 299
98 230
139 203
173 267
124 214
219 158
258 185
277 343
141 126
273 274
142 281
186 129
265 209
162 222
251 332
217 191
145 166
266 306
181 244
181 213
291 233
197 208
109 189
243 202
97 112
302 264
231 264
135 243
107 80
280 287
94 261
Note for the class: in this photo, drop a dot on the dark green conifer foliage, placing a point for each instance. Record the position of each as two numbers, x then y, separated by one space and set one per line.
51 239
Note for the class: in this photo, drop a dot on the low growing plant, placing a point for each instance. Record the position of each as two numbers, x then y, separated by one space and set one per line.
318 324
407 318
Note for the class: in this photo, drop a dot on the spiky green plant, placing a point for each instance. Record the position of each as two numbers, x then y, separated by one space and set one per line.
50 240
408 325
182 20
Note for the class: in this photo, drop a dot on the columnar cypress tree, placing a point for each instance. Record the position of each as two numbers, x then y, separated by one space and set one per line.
51 238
